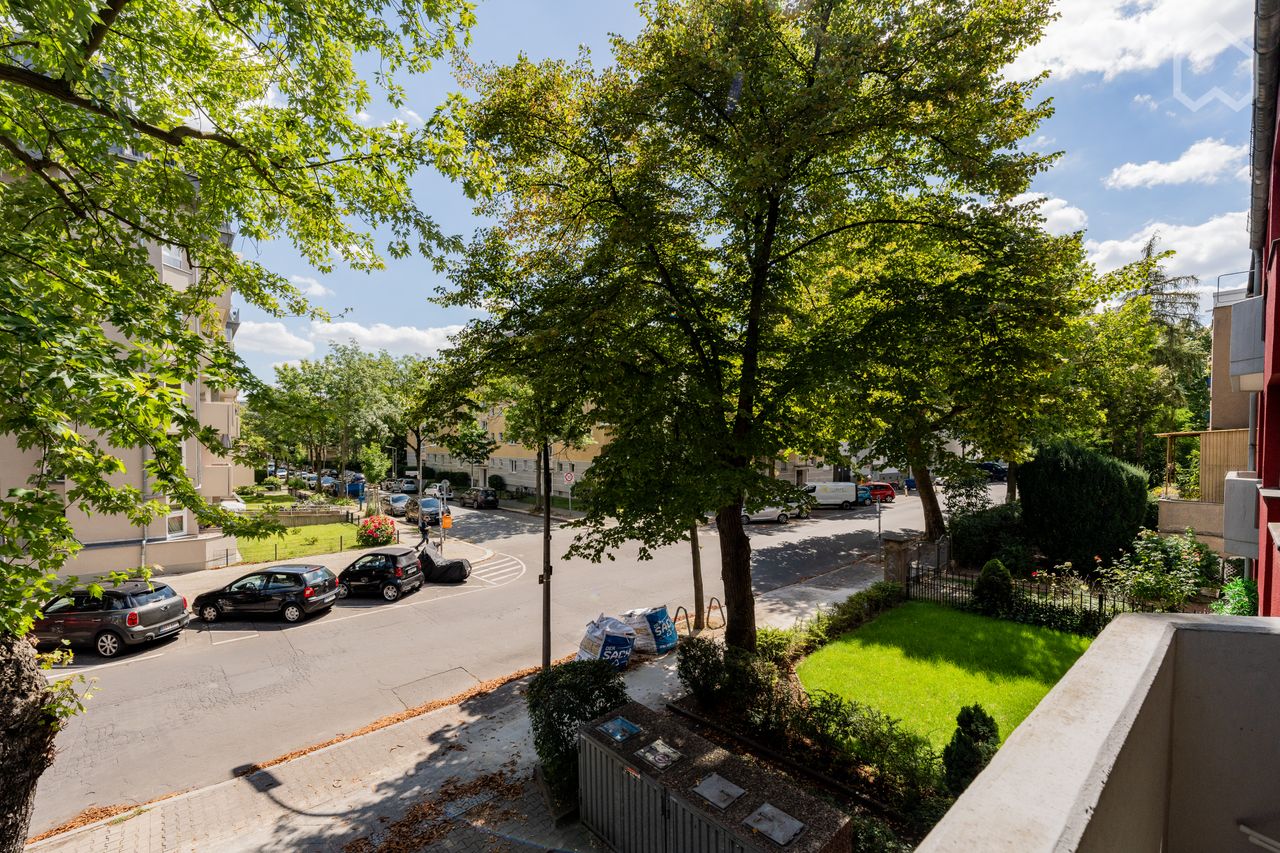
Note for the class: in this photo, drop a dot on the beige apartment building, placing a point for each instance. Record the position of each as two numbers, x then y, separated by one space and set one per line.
175 542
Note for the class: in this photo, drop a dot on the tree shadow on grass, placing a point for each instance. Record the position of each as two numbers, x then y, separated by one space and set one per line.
996 648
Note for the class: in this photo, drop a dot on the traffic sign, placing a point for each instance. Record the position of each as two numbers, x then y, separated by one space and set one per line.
568 476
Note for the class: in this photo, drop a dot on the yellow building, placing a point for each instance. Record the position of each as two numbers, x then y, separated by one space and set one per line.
174 541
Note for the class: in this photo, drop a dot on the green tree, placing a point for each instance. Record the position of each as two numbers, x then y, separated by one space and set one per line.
662 222
146 125
374 464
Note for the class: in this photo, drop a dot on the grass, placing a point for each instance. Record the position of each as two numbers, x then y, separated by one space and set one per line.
300 542
922 662
268 500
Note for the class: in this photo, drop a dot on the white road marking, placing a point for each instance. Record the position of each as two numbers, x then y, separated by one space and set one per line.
233 639
66 673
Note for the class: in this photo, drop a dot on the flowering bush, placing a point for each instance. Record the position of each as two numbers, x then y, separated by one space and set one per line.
376 530
1163 570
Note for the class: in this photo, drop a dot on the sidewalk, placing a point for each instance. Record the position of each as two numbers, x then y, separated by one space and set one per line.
457 778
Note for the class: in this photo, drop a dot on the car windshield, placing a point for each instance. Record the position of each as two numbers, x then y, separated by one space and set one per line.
151 596
399 499
431 503
317 576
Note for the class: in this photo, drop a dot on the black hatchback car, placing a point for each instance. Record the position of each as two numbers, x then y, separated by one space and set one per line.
480 498
390 572
131 613
290 591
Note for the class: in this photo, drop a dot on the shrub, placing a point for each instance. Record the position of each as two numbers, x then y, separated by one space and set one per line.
979 536
1164 570
873 835
272 483
755 691
966 492
560 699
296 483
1078 503
779 645
496 481
976 739
246 491
376 530
993 592
1239 598
700 666
1030 610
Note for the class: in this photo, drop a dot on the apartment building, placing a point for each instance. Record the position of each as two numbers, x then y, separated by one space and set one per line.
175 541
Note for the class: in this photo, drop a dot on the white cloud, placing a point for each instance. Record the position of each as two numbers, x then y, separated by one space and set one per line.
1146 101
1205 162
309 286
363 117
1111 37
1059 216
413 117
271 337
397 340
1207 250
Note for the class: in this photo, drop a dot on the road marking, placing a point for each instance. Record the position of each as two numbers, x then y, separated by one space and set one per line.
233 639
66 673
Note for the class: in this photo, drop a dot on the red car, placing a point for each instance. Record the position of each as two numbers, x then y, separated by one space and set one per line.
881 492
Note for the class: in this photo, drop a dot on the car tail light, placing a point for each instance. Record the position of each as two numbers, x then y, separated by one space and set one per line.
308 592
132 619
184 602
399 572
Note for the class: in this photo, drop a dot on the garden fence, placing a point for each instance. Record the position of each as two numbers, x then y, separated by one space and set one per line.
945 585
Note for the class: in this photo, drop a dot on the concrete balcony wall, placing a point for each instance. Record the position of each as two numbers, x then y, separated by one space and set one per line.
1204 517
1161 738
1240 514
222 416
1247 351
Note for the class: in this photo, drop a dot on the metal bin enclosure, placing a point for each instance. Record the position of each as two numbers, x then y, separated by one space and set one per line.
664 789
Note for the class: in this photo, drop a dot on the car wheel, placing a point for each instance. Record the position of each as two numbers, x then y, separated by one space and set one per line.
782 518
292 613
846 505
209 613
746 519
343 590
108 644
390 592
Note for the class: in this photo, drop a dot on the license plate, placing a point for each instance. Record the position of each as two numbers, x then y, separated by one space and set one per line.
327 596
167 628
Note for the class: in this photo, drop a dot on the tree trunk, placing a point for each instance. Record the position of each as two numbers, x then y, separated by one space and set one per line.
934 525
699 604
735 571
26 738
1011 492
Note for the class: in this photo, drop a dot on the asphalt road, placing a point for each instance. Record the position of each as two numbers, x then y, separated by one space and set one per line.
187 712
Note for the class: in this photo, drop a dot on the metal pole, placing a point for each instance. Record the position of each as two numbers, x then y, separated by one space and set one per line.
421 429
546 555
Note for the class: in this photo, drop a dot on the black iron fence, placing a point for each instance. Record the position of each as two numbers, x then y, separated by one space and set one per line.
955 588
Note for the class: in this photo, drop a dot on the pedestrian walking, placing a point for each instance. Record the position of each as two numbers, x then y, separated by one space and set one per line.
422 527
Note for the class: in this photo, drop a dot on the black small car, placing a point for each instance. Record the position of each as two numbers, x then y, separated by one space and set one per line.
290 591
430 508
480 498
436 569
133 612
391 572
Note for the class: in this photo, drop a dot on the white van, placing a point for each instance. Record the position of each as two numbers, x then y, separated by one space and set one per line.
843 495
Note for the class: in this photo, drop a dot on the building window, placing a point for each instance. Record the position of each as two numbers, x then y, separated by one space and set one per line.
173 256
177 524
570 466
513 465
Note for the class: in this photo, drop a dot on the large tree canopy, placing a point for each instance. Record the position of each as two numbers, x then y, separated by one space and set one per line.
140 124
663 222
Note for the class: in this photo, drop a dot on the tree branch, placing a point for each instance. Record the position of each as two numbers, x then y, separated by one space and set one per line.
107 16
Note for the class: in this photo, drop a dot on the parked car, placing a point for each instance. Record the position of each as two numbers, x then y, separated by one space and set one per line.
996 472
843 495
129 614
769 513
409 485
290 591
395 504
436 569
881 492
390 572
329 485
479 498
430 508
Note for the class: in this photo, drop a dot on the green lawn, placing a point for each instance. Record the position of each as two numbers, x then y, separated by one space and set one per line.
263 501
921 662
300 542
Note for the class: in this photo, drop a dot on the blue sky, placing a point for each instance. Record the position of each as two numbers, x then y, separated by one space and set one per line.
1152 116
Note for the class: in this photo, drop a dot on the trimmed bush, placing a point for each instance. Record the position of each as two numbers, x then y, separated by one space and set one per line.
376 530
1030 610
1239 598
779 645
272 483
560 699
701 669
1078 504
296 483
976 739
873 835
993 593
979 536
496 481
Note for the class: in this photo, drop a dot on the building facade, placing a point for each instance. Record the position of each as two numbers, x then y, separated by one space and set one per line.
175 541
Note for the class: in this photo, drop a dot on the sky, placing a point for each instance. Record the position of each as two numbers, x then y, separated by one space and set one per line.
1152 115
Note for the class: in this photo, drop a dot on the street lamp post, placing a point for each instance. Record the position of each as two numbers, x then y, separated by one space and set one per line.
545 580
